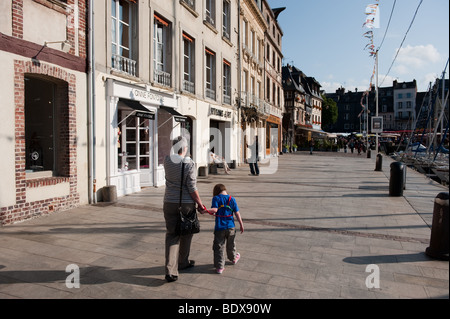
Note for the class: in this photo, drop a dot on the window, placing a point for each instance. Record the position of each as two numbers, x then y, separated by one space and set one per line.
226 82
210 67
189 64
133 142
226 20
161 49
400 105
245 34
46 127
121 46
210 14
189 3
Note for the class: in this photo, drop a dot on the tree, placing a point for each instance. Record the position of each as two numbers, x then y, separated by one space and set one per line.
329 112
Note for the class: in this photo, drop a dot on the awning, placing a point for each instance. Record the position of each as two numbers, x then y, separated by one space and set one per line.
177 116
139 110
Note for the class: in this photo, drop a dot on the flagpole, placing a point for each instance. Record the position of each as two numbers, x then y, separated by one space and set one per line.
376 98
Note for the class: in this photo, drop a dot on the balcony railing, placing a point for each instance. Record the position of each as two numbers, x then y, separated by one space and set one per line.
124 65
188 86
162 78
210 94
227 99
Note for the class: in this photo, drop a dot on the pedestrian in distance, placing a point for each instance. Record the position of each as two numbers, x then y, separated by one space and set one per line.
224 208
352 145
311 146
177 247
253 159
214 158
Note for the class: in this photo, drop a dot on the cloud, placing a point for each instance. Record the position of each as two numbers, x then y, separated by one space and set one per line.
412 58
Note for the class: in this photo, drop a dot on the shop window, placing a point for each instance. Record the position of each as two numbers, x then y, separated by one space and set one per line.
133 142
46 127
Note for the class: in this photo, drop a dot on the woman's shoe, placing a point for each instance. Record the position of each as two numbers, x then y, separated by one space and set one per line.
219 270
190 265
171 278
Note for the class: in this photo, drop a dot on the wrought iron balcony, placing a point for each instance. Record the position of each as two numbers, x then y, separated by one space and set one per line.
188 86
162 78
124 65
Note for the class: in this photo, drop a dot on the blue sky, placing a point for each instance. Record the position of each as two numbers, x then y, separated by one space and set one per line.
324 38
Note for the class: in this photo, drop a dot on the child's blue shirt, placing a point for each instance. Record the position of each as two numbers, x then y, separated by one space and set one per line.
221 202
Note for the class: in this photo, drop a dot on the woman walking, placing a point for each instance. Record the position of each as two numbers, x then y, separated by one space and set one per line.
178 247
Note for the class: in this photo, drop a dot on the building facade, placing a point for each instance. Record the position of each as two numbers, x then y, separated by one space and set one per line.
43 54
405 104
261 99
303 108
163 69
274 97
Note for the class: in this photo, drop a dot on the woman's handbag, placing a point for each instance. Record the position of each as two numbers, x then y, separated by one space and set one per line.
188 223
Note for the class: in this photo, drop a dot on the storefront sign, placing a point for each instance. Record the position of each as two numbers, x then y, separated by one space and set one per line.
219 112
145 95
145 115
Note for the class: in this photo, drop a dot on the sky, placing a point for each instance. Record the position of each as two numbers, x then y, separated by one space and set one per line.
325 39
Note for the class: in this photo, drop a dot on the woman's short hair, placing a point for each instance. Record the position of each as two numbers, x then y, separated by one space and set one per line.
179 144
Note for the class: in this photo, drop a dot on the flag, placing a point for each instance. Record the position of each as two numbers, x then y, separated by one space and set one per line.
372 16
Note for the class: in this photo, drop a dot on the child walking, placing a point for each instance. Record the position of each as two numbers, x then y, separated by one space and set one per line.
224 207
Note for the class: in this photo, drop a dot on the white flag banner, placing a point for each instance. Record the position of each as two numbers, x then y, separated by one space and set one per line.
372 16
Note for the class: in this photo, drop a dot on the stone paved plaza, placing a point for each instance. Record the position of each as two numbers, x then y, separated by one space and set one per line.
312 226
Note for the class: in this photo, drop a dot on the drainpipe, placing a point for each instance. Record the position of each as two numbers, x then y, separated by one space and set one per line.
92 187
240 137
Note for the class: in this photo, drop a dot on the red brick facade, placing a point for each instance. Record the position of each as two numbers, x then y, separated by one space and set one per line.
59 72
23 209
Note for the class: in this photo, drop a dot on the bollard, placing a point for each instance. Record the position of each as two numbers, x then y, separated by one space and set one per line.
203 171
379 163
439 230
109 194
369 153
397 179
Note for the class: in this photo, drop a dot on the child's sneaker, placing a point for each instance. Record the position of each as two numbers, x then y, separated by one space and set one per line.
219 270
236 259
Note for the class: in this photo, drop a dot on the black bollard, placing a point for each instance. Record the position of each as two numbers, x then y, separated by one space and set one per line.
379 163
397 179
439 240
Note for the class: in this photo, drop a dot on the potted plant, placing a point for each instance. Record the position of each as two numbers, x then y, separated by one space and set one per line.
294 147
285 148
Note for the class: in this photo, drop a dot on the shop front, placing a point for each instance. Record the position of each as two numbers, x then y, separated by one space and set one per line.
223 133
132 135
273 136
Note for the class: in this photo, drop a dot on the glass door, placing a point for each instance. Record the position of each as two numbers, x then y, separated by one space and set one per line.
135 151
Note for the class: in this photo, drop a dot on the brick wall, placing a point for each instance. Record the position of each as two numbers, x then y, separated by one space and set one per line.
17 22
67 162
